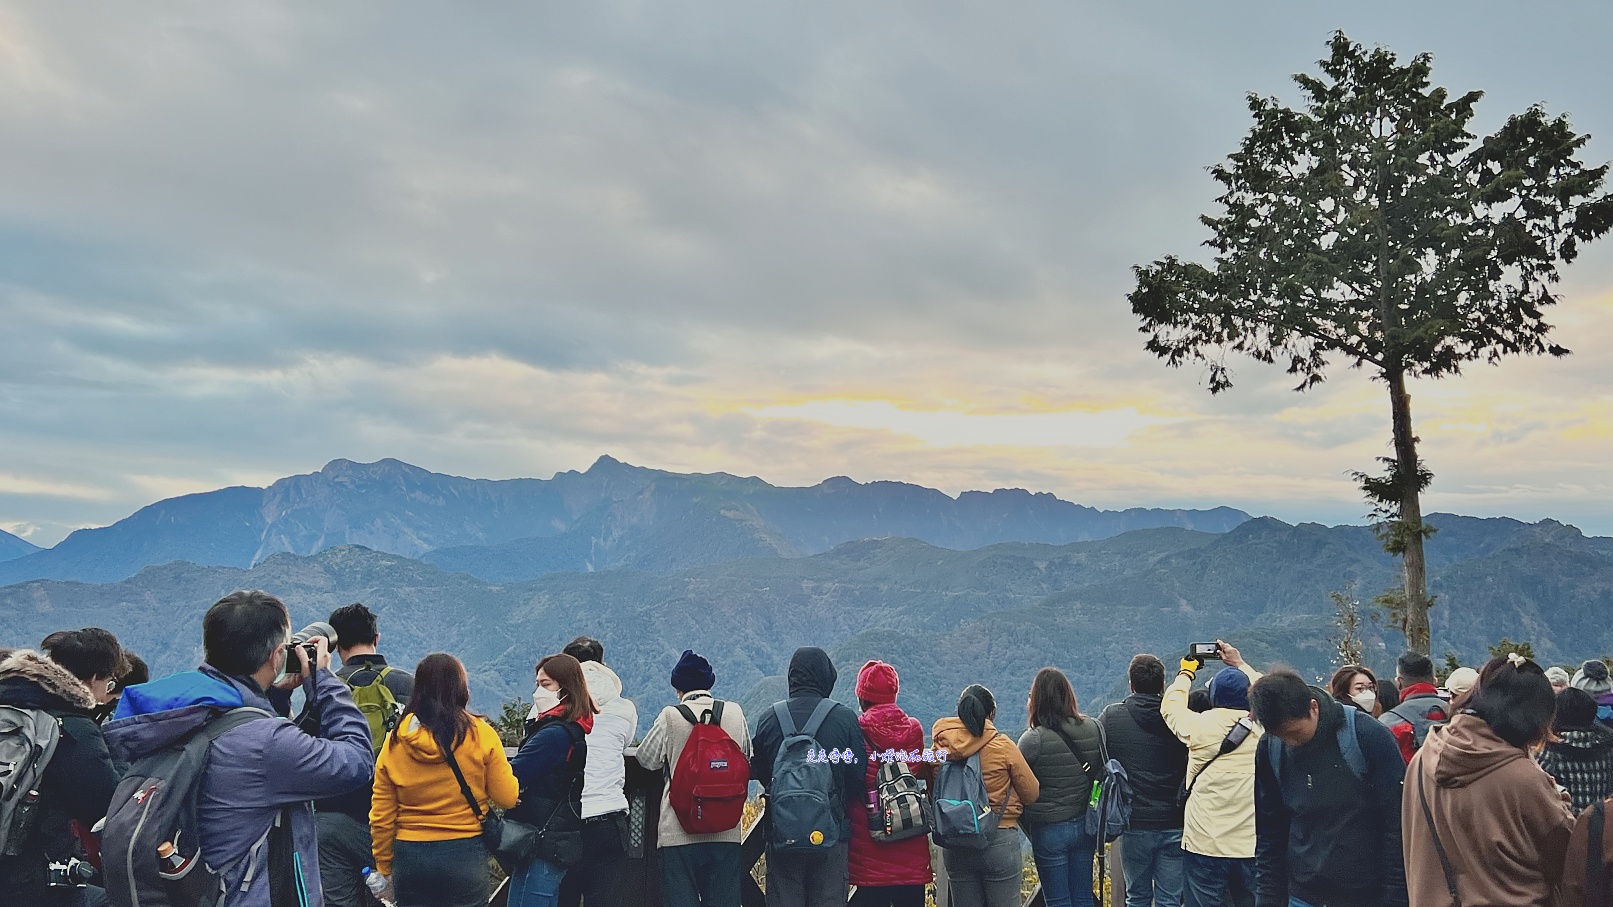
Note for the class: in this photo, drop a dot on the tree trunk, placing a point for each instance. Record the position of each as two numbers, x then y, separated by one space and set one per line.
1411 516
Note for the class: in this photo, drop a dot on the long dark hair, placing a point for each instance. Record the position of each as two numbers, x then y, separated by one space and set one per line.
1052 700
567 671
975 707
439 701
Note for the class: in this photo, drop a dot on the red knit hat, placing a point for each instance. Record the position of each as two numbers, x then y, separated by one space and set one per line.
877 683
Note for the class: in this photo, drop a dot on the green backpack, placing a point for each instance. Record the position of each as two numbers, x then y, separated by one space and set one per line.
376 701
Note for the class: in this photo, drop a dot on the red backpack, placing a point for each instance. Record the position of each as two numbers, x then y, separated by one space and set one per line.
712 777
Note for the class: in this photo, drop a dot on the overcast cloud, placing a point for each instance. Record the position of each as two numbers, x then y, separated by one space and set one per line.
792 240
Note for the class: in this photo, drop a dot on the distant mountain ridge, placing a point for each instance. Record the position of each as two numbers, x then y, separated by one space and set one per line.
612 515
946 618
13 547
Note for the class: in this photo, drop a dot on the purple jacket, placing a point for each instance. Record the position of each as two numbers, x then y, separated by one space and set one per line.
254 770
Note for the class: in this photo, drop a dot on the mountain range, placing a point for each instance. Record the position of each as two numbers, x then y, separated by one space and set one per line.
12 547
613 515
944 617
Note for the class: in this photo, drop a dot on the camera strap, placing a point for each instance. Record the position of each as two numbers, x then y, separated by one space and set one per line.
1234 739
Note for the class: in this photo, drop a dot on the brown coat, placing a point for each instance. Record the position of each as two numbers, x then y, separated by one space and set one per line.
1574 869
1010 783
1498 815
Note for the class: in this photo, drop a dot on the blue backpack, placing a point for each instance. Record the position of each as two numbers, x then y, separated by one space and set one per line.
800 801
1109 812
964 819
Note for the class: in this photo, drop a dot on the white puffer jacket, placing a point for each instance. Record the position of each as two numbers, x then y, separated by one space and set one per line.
614 729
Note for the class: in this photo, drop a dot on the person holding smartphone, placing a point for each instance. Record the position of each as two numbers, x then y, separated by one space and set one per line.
1218 831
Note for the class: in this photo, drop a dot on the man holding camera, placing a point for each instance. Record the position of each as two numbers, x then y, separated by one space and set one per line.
1218 835
263 775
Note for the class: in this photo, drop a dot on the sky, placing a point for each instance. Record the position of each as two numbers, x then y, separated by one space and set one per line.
887 241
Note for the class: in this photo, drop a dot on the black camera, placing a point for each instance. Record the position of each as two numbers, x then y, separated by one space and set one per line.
71 873
301 639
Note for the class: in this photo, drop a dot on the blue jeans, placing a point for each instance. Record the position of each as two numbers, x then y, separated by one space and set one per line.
1212 881
1063 853
536 884
1152 861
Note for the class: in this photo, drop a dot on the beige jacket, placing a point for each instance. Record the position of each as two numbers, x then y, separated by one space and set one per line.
1220 820
661 748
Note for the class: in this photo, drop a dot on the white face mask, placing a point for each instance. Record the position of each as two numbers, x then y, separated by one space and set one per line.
543 700
1365 700
285 662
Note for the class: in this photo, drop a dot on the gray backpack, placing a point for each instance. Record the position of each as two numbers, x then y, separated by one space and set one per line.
902 810
964 819
150 849
27 741
801 808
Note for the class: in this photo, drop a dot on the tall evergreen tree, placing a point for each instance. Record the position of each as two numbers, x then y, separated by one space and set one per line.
1370 226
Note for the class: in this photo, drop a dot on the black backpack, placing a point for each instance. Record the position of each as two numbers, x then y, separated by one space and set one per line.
150 849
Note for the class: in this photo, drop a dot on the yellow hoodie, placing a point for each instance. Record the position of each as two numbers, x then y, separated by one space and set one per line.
416 796
1010 783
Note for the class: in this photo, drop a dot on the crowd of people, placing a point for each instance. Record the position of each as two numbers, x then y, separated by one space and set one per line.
203 787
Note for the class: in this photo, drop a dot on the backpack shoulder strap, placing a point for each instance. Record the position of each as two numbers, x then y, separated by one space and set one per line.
1350 744
229 721
715 715
1274 755
579 744
786 724
1595 868
1070 745
687 713
824 707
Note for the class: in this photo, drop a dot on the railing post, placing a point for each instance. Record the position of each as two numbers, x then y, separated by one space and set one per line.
752 846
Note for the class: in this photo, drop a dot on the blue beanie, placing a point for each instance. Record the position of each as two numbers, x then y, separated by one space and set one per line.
1229 689
694 673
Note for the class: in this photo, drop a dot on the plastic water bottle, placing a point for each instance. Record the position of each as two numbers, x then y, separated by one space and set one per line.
376 883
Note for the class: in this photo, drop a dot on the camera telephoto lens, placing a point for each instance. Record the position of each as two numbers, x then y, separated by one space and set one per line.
301 638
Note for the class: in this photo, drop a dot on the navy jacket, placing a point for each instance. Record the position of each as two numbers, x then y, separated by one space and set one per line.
812 678
1327 836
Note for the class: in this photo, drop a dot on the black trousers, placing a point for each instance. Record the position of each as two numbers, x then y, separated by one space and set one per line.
441 873
888 896
597 880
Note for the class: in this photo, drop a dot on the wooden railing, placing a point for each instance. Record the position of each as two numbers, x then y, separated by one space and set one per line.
641 884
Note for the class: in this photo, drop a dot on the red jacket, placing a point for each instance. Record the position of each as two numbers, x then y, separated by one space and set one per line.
887 727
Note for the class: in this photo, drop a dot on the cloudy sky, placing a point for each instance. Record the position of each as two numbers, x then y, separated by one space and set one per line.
792 240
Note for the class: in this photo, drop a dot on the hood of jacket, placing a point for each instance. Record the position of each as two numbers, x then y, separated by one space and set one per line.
603 684
1586 740
1144 709
28 678
888 727
951 735
419 741
154 715
1467 750
811 673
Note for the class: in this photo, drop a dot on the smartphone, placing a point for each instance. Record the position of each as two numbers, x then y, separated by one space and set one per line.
1207 651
